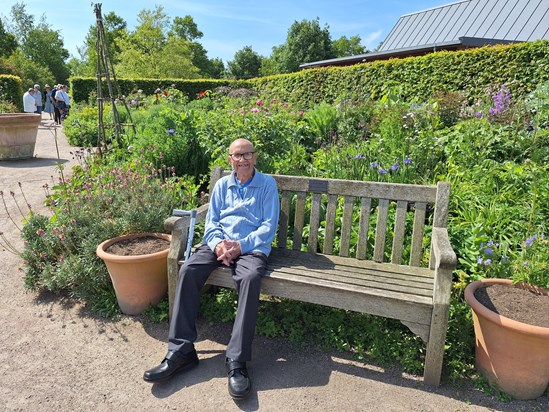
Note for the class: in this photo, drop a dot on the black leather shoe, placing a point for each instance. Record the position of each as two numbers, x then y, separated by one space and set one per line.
239 382
172 363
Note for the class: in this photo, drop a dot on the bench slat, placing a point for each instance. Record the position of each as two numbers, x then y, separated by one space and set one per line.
346 224
400 226
315 222
363 227
417 233
299 219
282 236
381 230
330 225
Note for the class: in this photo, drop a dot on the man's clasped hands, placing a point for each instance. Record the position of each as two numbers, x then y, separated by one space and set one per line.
227 251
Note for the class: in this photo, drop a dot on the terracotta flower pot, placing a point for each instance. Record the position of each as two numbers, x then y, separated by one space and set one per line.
511 354
18 135
140 280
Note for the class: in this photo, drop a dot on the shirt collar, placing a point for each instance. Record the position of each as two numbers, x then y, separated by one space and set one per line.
253 182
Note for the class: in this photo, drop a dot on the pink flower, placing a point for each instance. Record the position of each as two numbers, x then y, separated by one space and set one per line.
259 102
254 110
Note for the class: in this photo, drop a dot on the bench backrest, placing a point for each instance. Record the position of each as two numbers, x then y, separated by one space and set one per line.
367 220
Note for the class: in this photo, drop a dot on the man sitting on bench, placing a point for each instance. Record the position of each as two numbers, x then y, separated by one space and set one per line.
240 226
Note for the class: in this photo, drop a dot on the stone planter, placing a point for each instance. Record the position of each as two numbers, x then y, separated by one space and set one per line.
18 135
511 354
138 281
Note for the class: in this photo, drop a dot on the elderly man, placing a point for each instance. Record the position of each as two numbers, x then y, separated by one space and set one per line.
29 103
240 227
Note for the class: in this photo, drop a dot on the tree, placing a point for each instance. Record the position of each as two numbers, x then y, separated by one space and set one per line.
306 42
150 51
39 43
8 44
344 46
186 29
246 63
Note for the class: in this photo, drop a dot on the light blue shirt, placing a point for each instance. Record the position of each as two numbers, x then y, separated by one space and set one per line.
250 217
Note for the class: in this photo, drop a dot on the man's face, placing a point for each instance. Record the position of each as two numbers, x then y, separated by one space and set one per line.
241 149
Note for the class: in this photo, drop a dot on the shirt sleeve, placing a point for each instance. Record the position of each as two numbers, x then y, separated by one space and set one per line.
212 230
265 233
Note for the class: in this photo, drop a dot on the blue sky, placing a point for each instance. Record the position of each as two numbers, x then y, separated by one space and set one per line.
228 26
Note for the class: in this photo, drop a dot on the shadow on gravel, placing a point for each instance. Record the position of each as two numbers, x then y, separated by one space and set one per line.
32 162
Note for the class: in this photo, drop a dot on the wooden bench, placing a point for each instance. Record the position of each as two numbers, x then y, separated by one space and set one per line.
356 236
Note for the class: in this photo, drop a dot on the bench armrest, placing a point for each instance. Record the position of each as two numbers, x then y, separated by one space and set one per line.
179 228
443 254
443 261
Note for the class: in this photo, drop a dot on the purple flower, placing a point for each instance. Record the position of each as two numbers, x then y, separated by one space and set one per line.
394 167
487 262
488 251
479 260
382 171
530 241
170 131
407 161
359 156
374 164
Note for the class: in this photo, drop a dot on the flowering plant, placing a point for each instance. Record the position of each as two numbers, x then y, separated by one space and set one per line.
529 264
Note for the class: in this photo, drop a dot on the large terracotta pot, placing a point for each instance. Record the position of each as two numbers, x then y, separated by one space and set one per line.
18 135
138 281
511 354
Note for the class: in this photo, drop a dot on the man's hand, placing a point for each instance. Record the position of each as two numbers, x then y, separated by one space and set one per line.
227 251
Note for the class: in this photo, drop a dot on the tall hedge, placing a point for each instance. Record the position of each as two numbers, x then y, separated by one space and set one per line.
520 66
11 89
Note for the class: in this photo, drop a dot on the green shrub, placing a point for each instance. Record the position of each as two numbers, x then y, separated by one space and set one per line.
107 197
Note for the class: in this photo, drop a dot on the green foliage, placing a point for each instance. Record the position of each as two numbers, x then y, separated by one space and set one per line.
467 71
104 198
246 63
11 92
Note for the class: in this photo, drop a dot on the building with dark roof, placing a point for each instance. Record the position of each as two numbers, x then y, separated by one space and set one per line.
456 26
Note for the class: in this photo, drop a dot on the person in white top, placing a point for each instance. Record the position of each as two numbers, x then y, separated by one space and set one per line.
62 102
29 103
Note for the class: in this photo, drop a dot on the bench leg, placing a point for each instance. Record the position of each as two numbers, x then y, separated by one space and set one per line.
435 345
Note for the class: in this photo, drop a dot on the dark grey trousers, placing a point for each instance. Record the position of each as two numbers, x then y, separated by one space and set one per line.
247 271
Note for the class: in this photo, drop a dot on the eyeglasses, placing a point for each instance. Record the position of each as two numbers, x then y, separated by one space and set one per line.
239 156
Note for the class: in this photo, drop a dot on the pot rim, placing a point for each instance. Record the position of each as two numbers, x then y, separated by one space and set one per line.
493 317
101 253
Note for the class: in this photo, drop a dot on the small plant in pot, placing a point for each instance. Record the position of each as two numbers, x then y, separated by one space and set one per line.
511 317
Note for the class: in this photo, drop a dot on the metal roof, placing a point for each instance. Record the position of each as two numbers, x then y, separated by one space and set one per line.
463 24
510 20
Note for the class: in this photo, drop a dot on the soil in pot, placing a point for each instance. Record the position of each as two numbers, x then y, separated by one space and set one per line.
516 303
138 246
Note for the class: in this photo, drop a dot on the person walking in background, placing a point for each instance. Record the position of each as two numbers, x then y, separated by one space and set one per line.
62 102
38 97
56 112
48 105
29 103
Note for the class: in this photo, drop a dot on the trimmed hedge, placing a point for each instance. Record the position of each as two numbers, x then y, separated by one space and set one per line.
82 87
11 89
520 66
